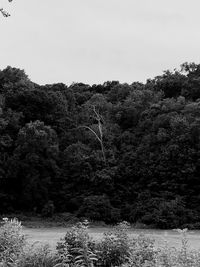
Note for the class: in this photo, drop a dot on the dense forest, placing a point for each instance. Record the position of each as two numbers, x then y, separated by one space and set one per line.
108 152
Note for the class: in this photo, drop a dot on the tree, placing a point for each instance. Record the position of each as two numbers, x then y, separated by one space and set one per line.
76 175
96 109
99 135
171 83
48 106
33 167
99 208
14 79
55 140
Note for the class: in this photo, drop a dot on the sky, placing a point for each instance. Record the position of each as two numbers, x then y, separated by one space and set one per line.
93 41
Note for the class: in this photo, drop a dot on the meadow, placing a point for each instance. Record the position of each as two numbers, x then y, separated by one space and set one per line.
85 246
53 234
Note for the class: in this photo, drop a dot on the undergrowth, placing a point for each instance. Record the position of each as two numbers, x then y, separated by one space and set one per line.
78 249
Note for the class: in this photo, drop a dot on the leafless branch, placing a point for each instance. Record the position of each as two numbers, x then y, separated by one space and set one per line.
100 136
87 127
5 13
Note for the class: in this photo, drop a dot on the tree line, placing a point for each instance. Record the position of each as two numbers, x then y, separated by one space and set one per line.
106 152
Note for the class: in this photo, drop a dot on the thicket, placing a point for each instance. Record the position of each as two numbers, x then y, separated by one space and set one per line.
77 249
108 152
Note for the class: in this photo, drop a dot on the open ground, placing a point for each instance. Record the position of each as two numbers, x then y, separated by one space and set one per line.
52 235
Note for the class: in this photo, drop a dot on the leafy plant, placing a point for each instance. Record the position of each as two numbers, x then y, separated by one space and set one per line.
77 247
142 252
85 257
114 249
63 258
12 241
36 255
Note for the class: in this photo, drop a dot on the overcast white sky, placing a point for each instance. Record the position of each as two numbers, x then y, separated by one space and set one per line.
93 41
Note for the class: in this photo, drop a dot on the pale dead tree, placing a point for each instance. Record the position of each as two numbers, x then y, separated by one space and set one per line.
4 12
99 135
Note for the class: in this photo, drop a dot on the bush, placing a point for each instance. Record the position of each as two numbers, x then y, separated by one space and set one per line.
114 249
48 209
77 247
12 242
167 256
142 252
99 208
164 214
37 256
15 252
171 214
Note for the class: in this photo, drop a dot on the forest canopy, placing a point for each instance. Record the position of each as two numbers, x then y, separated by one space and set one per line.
107 151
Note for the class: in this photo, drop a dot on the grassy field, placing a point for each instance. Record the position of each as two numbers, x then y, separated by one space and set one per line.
53 235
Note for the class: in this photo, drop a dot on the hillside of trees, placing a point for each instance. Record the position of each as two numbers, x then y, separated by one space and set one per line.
108 152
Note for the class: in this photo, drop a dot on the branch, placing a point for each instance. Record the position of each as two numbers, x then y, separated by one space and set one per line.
97 115
5 13
87 127
100 136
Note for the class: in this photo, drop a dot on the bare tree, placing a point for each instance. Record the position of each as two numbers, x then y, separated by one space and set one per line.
99 135
4 12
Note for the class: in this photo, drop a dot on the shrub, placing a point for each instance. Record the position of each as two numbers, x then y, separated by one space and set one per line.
142 252
99 208
63 258
12 242
77 247
15 252
48 209
114 249
172 257
37 256
171 214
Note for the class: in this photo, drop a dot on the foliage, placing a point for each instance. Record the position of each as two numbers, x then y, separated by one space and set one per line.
12 242
120 250
144 168
77 247
98 208
113 250
15 252
142 252
35 154
36 255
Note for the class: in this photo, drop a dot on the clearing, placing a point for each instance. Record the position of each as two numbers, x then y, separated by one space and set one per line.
53 235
